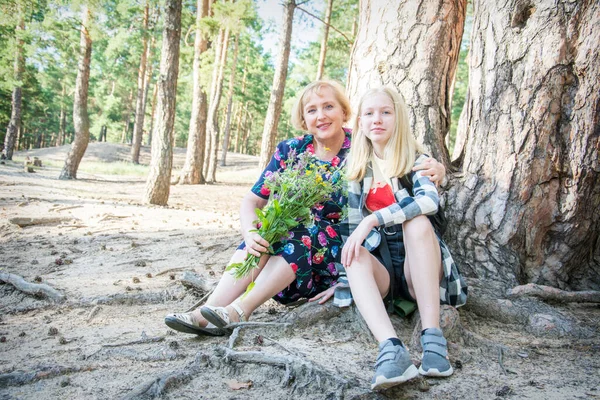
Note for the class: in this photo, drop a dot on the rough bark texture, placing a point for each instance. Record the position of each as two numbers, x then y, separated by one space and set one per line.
525 207
159 178
323 53
226 131
81 121
212 126
274 110
191 173
17 95
138 127
412 46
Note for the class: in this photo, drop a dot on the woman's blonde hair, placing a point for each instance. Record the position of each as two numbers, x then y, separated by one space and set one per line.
316 87
401 149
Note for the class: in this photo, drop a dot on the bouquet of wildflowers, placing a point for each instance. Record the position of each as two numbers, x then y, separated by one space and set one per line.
302 184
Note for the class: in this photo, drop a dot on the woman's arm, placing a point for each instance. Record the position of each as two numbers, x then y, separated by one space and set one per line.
255 244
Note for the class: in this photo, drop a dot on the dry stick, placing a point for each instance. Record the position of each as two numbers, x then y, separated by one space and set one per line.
144 260
36 289
23 378
139 341
201 301
554 294
64 208
23 222
166 271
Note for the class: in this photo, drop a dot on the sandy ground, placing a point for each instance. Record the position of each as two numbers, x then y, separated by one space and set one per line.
120 265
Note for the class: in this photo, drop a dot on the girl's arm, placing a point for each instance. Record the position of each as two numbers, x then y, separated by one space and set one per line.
425 200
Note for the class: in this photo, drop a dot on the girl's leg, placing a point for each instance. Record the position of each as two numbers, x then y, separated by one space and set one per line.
369 283
423 268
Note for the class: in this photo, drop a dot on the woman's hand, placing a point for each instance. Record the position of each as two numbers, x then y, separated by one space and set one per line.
255 244
433 169
351 248
324 296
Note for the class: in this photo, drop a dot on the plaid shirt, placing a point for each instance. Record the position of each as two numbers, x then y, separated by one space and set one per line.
453 287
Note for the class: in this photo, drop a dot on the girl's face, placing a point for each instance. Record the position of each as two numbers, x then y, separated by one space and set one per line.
323 115
377 119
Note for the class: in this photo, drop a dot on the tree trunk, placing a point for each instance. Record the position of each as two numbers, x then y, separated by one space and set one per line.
242 105
127 118
191 174
229 102
418 57
147 82
138 126
153 112
159 178
17 94
276 99
213 111
525 208
81 121
323 53
62 123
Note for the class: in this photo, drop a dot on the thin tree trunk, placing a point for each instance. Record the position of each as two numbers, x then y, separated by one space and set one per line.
323 53
63 117
159 178
17 94
127 118
153 113
213 112
276 99
138 127
229 103
242 105
525 208
81 121
191 173
147 82
420 63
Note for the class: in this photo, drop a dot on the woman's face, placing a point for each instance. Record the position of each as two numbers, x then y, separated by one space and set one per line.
323 115
377 119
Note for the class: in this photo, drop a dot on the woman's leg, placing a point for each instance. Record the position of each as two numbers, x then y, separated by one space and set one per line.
423 268
369 282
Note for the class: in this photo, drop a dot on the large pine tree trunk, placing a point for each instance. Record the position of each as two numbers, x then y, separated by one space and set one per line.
413 46
525 208
229 103
323 52
159 178
213 109
138 126
274 110
191 174
17 94
81 121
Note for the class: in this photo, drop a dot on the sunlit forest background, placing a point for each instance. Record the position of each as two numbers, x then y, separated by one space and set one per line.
50 48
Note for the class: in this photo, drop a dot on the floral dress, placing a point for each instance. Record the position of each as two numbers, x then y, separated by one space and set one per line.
311 251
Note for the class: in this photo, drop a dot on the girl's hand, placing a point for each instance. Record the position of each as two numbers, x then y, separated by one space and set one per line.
255 244
324 296
351 248
432 169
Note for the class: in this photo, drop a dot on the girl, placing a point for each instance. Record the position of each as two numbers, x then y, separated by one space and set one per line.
406 252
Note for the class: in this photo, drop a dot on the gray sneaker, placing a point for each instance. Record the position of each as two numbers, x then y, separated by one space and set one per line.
435 354
393 366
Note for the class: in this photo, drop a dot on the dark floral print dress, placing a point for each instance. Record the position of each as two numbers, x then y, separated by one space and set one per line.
311 251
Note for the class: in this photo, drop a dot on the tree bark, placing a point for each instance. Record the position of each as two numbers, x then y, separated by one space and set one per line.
414 47
525 207
227 129
153 112
147 82
213 110
138 126
81 121
17 94
62 123
323 53
275 102
159 179
191 174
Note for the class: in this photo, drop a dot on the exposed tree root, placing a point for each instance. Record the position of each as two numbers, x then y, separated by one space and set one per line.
191 280
36 289
128 299
18 378
553 294
24 222
309 314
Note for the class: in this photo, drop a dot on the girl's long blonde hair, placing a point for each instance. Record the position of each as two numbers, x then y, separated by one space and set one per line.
401 149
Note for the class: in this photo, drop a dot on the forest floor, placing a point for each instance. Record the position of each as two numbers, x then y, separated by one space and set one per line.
122 265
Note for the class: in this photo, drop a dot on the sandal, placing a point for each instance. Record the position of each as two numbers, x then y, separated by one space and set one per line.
185 323
219 316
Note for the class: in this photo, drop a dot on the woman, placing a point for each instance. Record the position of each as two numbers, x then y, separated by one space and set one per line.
303 265
406 252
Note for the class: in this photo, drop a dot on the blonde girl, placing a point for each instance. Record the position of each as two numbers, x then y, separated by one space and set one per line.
391 250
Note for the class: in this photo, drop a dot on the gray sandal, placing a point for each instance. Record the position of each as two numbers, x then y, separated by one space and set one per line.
184 322
219 316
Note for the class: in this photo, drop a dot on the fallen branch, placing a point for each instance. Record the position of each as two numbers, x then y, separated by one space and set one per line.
553 294
166 271
35 289
23 221
192 281
18 378
201 301
139 341
58 209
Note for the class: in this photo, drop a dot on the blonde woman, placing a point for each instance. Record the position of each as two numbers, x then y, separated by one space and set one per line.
392 249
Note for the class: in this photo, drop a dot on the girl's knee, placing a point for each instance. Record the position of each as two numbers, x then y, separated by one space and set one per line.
419 228
364 262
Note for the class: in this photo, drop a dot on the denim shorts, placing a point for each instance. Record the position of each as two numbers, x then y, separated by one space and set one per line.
398 284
